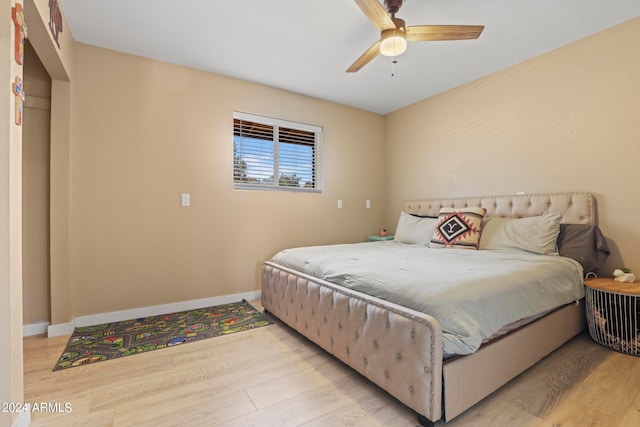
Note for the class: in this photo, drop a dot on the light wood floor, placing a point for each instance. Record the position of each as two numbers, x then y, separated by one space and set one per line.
273 377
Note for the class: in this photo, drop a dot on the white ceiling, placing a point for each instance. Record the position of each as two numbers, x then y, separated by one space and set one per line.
305 46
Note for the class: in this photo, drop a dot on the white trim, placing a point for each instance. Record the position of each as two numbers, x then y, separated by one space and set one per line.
265 120
60 329
35 329
23 420
135 313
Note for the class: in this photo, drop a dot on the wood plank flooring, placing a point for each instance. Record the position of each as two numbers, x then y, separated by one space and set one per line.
273 377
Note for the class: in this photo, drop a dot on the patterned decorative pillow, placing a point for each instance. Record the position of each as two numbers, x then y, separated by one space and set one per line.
458 228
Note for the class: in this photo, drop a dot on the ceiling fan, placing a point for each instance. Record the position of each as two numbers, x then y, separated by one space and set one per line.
394 34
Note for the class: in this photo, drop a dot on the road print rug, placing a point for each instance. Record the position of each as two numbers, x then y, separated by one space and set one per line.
91 344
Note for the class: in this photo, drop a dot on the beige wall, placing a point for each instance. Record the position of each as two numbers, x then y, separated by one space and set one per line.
564 121
56 59
143 132
11 382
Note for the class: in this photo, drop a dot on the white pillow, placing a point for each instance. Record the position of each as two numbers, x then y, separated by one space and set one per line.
537 234
415 229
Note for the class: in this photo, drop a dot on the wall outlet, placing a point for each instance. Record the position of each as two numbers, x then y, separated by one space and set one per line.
186 199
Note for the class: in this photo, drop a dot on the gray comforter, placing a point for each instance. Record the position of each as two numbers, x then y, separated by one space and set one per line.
472 293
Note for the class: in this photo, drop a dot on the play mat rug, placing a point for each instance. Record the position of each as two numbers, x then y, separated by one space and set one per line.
96 343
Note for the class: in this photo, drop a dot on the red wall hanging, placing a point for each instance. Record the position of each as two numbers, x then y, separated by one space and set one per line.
21 32
55 20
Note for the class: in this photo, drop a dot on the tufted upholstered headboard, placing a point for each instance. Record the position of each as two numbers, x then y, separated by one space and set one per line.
576 208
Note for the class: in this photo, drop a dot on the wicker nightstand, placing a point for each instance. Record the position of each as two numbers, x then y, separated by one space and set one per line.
613 314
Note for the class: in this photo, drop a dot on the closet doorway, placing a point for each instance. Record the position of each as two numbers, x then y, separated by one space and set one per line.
36 136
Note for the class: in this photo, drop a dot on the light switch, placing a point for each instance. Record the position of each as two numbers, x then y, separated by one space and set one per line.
186 199
368 204
339 204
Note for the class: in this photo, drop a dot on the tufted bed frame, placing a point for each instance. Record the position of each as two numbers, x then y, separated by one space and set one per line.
400 349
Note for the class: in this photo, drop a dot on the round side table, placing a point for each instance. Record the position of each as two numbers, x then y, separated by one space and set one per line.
613 314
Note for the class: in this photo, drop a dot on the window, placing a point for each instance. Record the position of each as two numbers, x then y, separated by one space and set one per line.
273 154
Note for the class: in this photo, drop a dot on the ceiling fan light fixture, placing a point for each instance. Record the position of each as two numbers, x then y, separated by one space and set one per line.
393 42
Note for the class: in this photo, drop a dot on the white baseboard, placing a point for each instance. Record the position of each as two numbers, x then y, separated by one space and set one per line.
35 329
60 329
135 313
23 420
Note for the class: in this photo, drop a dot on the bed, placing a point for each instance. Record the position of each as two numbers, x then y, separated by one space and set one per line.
404 350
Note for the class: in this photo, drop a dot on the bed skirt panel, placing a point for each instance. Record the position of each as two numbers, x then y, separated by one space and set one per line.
471 378
396 348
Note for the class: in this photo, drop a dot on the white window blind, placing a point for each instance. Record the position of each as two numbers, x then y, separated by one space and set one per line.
275 154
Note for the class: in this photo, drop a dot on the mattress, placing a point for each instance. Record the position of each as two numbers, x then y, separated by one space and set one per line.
472 293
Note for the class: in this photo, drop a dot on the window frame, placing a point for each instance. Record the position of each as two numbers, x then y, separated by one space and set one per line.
276 124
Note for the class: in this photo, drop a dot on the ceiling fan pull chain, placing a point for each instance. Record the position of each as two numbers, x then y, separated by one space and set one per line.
394 61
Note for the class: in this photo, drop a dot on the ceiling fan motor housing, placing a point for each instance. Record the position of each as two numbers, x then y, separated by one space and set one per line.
392 6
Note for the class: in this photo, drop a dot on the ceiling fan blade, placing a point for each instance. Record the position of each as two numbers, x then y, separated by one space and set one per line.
443 32
365 58
376 14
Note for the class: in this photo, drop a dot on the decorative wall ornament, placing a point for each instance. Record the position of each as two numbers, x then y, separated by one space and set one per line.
21 32
18 89
55 20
